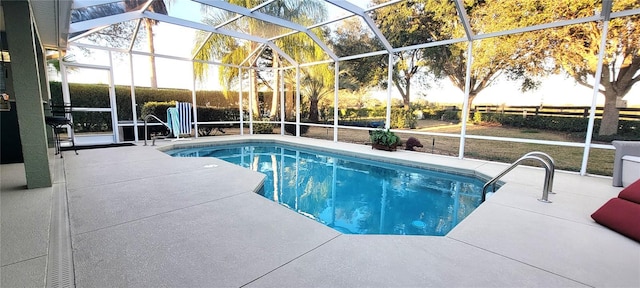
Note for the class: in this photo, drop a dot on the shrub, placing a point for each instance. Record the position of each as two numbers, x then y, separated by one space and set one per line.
378 111
451 115
263 128
477 118
384 137
211 114
158 109
432 111
401 118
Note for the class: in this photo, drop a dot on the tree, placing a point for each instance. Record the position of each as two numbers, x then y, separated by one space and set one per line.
117 35
411 23
575 50
351 38
215 46
228 50
317 82
424 21
303 12
158 6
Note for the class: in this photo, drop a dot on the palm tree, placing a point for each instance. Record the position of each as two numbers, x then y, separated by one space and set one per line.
317 82
157 6
227 50
215 46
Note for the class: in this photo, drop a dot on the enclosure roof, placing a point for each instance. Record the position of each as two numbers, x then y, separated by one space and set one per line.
74 20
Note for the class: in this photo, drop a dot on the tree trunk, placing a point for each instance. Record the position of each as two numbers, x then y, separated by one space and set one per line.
406 98
148 24
288 102
611 114
313 109
471 97
253 78
276 90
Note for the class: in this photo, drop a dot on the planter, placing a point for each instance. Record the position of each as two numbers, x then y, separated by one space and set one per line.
384 147
384 140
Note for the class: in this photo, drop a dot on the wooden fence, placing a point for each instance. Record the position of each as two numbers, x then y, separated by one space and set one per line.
562 111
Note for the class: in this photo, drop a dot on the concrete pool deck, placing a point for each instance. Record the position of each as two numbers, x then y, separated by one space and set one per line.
140 218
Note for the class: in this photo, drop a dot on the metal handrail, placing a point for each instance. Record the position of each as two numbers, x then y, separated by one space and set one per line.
551 163
549 166
146 119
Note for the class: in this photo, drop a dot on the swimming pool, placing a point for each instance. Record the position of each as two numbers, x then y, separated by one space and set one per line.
354 195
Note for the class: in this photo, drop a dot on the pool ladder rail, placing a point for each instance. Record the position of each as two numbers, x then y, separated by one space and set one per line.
549 167
146 119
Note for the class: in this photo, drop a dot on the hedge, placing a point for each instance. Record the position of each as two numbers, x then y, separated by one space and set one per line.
97 95
205 114
626 129
220 107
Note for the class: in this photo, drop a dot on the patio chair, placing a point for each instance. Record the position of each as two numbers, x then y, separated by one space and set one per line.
60 119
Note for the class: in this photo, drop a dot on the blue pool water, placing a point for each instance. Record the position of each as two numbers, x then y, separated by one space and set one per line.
354 195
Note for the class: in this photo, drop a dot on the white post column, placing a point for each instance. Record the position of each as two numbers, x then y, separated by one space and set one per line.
240 103
387 122
596 88
193 100
465 105
113 102
281 75
336 86
251 101
134 106
298 101
66 95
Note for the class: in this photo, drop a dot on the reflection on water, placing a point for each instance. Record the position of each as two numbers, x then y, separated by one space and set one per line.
352 195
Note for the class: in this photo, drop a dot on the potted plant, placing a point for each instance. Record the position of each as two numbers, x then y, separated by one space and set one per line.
384 140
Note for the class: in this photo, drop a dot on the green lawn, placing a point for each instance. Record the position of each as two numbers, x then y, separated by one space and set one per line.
566 158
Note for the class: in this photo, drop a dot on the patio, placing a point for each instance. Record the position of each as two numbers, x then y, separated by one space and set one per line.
138 217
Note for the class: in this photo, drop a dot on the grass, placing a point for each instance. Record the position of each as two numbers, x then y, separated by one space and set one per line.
566 158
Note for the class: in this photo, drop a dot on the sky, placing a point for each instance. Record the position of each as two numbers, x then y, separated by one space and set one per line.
178 41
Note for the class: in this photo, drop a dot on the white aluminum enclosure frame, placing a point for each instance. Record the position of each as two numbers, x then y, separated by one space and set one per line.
113 107
95 24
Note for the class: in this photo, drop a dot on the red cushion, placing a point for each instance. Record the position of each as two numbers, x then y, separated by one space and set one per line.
621 216
631 193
